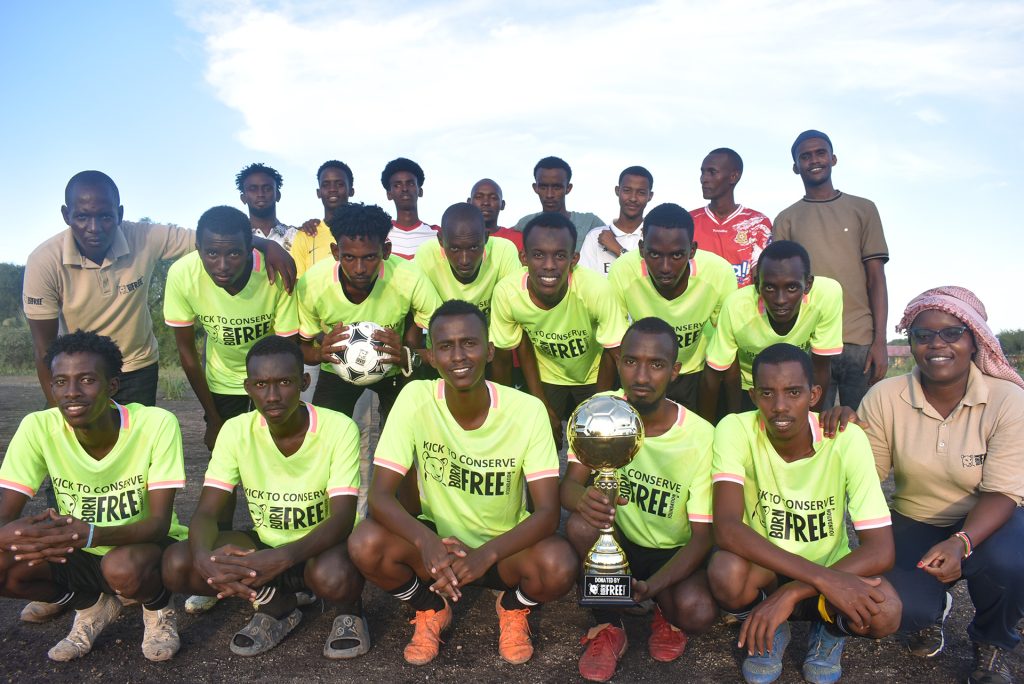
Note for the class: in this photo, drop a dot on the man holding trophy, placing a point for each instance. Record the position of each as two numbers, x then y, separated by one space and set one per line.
661 519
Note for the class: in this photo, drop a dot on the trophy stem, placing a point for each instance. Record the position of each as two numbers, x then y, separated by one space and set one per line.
606 557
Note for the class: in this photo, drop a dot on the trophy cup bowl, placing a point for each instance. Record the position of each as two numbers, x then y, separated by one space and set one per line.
605 433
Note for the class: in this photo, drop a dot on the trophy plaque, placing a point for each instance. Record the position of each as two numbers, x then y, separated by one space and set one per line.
605 433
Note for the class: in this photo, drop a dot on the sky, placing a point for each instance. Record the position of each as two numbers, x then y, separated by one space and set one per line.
922 101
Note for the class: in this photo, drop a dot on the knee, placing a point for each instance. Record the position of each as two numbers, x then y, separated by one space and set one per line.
333 577
890 613
580 533
367 545
727 578
692 610
176 566
125 569
558 565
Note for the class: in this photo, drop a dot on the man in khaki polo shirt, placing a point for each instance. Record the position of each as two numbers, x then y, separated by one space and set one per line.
96 276
843 235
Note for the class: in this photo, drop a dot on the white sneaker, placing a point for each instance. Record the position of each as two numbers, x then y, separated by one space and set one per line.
87 626
196 605
38 611
160 640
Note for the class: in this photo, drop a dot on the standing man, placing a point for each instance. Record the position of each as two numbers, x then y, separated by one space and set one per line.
552 181
603 246
334 188
115 470
260 188
730 230
477 449
843 234
96 276
565 322
664 526
786 304
669 278
486 196
403 181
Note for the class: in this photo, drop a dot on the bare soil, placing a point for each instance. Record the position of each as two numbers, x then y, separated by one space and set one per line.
468 655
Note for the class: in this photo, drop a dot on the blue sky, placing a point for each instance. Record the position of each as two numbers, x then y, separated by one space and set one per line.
922 100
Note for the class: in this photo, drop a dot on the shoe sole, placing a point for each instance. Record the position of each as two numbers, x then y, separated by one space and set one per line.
942 632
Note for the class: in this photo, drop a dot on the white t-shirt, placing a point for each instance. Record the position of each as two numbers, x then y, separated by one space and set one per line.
597 258
406 240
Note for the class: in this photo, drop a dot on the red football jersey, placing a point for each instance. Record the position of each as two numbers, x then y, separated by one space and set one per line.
739 239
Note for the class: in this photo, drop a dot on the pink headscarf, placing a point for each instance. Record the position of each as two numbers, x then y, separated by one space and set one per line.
962 303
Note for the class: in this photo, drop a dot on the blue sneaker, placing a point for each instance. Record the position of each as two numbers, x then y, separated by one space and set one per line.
766 668
824 651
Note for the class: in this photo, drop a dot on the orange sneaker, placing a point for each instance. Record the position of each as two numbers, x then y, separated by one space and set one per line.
667 641
426 638
514 644
607 646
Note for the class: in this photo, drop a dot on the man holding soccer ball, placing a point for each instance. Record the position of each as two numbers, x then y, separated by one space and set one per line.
362 285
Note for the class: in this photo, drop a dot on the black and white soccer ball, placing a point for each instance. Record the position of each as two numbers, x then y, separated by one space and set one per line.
360 361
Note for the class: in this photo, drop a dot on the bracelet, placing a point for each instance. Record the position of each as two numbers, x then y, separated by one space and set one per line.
822 611
968 544
412 361
92 531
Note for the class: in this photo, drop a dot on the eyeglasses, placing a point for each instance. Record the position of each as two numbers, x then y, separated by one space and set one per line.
948 335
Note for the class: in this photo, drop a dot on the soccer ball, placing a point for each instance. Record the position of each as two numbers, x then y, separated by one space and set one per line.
605 432
359 363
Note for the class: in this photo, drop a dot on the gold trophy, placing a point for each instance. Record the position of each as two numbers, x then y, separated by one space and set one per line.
605 433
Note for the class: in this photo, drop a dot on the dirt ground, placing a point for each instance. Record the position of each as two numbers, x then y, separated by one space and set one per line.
468 655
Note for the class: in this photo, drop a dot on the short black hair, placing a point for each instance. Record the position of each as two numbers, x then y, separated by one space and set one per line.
224 220
553 163
783 353
335 164
780 250
92 178
398 165
458 307
463 211
472 191
550 219
356 220
257 167
271 345
668 215
807 135
87 341
652 325
731 154
637 171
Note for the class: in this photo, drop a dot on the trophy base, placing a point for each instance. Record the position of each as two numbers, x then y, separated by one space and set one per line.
610 591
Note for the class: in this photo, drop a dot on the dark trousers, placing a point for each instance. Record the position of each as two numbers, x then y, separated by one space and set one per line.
993 572
334 393
849 381
138 386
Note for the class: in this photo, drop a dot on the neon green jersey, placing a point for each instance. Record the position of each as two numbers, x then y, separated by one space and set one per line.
472 482
743 327
400 287
500 260
669 482
108 492
569 337
799 506
288 496
693 314
233 323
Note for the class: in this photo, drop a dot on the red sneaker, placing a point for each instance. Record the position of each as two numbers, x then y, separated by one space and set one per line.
667 641
607 645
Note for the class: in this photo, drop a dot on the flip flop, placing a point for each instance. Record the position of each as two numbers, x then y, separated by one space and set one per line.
348 628
265 632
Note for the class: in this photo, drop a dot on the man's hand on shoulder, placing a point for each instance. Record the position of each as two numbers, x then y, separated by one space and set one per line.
310 227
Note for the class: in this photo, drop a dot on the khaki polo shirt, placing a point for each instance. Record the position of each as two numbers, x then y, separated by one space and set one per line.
111 298
840 234
942 465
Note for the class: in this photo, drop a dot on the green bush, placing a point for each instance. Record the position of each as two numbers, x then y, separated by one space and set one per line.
16 355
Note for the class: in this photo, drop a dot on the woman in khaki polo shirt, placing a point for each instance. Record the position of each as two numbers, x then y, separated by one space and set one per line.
953 433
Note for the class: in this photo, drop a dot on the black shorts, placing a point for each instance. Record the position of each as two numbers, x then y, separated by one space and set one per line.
563 399
644 561
490 579
683 390
291 580
83 571
337 395
231 405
